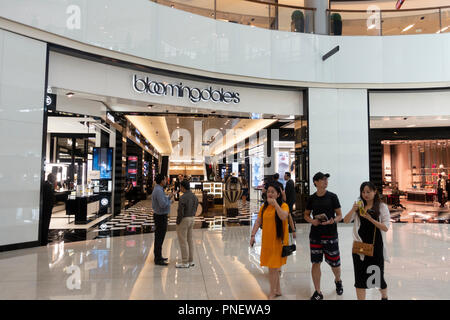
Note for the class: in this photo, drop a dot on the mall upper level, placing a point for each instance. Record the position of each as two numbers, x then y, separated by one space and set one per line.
284 43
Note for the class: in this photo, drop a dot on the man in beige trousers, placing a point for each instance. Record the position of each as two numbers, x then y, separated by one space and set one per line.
187 207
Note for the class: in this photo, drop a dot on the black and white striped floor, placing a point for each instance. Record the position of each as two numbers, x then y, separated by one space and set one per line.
139 219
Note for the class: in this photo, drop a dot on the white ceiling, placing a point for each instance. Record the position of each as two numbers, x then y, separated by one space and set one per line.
155 130
70 125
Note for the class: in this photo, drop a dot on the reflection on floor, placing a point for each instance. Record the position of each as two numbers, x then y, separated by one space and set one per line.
139 219
225 267
420 212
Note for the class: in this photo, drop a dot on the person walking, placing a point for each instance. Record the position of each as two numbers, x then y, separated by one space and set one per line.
47 207
187 207
178 185
161 209
272 216
447 188
290 200
323 237
371 222
275 177
440 190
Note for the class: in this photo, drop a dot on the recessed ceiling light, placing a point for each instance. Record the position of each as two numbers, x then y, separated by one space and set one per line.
70 94
408 27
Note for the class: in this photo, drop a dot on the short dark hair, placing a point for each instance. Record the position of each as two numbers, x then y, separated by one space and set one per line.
288 174
51 178
276 176
159 178
185 184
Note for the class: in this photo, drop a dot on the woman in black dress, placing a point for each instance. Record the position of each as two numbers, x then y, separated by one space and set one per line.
371 222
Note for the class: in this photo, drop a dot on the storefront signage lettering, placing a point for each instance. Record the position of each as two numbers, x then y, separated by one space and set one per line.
146 85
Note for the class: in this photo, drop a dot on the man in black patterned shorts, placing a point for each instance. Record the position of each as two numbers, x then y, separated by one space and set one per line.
323 237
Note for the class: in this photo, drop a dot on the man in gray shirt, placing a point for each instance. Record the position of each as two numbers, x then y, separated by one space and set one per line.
187 207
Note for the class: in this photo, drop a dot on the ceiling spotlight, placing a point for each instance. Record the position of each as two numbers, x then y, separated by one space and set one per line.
408 27
70 94
150 106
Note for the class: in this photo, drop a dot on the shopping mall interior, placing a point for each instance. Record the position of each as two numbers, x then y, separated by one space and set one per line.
224 94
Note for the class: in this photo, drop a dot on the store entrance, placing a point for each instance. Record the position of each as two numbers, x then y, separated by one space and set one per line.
210 150
412 167
106 156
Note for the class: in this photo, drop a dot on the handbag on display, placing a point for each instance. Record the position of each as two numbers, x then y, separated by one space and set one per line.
288 249
364 248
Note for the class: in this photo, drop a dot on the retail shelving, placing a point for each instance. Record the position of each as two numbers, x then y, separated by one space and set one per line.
214 188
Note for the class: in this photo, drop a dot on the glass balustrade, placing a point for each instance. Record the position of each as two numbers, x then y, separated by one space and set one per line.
268 14
389 22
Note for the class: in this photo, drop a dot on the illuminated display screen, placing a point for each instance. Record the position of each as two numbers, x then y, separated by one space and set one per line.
102 161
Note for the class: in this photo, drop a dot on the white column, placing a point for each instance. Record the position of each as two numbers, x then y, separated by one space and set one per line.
320 16
22 90
112 144
338 140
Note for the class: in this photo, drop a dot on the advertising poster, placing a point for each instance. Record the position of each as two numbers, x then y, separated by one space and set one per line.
283 165
257 171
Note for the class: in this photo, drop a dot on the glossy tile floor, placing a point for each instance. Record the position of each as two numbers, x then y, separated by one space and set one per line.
419 212
226 268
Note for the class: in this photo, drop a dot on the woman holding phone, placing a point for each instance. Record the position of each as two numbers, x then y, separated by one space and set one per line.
273 216
371 222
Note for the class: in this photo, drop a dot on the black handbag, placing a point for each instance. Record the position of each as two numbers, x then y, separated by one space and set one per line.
288 249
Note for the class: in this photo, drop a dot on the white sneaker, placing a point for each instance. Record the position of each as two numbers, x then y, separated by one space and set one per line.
182 265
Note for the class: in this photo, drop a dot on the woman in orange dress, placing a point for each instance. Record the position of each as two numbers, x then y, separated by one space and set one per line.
273 216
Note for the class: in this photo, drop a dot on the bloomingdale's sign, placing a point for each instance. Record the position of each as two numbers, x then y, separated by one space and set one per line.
146 85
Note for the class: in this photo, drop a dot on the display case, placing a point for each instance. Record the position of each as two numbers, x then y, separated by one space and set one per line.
214 188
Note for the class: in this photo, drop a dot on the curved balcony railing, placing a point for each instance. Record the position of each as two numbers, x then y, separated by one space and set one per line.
389 22
255 13
270 15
